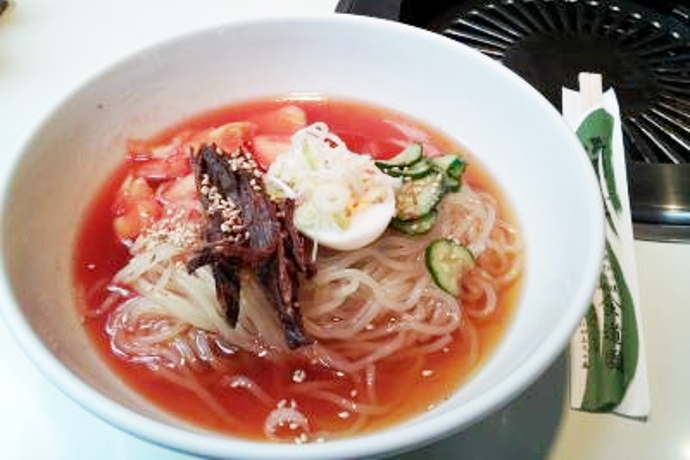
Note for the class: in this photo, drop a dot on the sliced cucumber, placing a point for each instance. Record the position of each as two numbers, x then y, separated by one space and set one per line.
410 155
418 197
425 181
452 165
446 261
416 170
417 226
451 184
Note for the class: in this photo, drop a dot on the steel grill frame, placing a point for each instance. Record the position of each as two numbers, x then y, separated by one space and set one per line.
660 133
650 40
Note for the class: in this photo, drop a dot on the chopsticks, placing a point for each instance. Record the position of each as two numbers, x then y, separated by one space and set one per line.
608 371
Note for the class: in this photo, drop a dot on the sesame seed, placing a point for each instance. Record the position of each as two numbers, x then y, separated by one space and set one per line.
174 229
299 376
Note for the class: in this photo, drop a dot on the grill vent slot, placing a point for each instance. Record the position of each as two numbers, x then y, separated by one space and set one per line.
641 47
646 57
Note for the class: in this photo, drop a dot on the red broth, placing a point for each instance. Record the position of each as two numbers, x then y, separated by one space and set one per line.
408 386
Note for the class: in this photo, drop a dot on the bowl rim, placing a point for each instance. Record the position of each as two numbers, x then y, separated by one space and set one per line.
400 437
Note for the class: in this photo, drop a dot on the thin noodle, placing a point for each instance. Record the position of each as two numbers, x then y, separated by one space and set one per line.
185 379
244 382
490 299
370 381
363 308
343 403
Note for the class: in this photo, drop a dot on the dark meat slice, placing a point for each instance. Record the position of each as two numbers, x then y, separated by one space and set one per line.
224 271
209 162
295 243
260 226
280 280
258 237
258 214
225 274
223 249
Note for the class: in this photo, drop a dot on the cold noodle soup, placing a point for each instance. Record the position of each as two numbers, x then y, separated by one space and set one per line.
297 269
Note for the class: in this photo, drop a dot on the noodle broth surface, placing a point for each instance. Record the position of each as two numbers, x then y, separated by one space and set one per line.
235 391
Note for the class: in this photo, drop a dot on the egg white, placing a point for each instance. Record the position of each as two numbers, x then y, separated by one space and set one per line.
364 227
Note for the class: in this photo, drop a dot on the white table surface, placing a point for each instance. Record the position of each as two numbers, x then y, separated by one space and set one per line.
48 47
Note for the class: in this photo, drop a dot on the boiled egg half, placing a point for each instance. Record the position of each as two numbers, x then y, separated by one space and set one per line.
343 201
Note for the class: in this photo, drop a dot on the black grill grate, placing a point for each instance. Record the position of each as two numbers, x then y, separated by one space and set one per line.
645 56
641 47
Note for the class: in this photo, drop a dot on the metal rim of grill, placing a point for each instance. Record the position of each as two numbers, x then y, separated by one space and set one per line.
642 47
649 60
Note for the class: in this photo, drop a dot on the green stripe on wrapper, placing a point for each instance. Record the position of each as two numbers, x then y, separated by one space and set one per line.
595 134
611 326
613 346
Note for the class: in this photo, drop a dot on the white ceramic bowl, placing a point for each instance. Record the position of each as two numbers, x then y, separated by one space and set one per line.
514 132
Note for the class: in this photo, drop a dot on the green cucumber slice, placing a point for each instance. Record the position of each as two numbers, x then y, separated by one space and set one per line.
446 261
416 227
418 197
410 155
451 164
451 184
416 170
